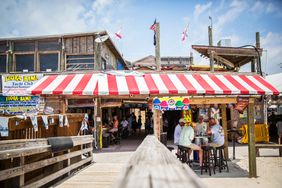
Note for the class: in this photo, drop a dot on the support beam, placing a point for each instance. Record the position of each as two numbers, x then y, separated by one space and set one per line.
224 126
251 141
212 61
157 124
223 61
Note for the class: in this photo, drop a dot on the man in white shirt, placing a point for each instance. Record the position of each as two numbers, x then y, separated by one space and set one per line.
201 126
217 134
177 131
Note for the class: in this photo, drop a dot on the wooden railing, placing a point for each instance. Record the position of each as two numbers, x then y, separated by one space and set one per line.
31 163
154 166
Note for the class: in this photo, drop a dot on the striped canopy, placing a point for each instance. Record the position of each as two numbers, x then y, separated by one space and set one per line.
102 84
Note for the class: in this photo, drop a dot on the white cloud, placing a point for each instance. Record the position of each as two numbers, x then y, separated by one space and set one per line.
272 42
99 6
33 17
235 9
270 8
258 7
199 9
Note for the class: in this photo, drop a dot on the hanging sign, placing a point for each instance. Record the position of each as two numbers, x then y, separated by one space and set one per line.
171 103
242 103
18 105
16 84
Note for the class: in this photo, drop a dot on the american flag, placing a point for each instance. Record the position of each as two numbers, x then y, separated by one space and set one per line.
154 26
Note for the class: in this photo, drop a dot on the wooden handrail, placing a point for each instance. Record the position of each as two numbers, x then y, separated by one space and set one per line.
152 165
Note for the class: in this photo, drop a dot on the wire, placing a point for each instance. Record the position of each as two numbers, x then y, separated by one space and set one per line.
258 56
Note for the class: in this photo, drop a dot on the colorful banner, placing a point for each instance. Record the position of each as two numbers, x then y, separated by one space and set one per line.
171 103
16 84
18 105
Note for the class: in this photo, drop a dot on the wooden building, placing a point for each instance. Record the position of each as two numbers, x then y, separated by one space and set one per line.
167 63
35 57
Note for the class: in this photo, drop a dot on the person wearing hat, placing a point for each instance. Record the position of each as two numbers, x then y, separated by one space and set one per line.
177 130
186 138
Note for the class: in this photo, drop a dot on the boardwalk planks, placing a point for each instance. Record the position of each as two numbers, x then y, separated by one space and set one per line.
153 165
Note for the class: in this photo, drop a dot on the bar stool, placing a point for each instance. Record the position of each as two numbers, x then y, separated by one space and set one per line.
220 159
207 162
184 156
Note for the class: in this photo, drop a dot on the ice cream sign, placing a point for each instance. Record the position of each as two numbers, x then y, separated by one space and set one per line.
171 103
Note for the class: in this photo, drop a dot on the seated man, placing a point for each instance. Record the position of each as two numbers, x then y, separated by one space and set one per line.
177 131
201 126
186 137
216 132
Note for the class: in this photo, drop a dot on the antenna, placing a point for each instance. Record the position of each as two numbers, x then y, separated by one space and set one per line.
101 39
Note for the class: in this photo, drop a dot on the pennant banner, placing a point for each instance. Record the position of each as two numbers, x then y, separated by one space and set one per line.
34 123
45 121
4 130
171 103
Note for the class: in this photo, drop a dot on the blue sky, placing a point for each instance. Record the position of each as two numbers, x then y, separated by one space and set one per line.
234 19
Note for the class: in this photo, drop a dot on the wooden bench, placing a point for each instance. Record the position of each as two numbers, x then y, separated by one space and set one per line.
31 163
153 165
269 146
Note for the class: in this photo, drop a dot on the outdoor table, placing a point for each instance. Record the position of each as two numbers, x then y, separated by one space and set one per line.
199 140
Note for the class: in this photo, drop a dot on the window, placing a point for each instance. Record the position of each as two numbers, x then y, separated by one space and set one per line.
24 46
24 61
3 47
48 45
80 62
48 61
3 63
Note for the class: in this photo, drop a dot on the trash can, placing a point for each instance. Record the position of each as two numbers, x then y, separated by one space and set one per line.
106 140
163 138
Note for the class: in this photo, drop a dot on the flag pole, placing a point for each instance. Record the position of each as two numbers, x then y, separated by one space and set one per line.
157 47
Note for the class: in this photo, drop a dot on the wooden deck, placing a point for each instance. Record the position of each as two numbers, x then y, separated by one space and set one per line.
101 174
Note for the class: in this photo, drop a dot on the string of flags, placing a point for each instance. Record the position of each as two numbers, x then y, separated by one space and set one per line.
47 120
153 27
118 34
184 34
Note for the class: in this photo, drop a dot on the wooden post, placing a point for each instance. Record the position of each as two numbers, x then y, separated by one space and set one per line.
157 132
253 65
21 176
210 36
10 57
251 141
69 162
224 126
257 39
97 63
98 120
157 47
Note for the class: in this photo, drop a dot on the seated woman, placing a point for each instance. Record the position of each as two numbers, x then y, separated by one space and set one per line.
115 127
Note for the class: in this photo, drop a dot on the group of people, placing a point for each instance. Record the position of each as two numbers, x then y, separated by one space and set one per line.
184 135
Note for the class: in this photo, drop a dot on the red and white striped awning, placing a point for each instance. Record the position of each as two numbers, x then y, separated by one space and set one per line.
103 84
